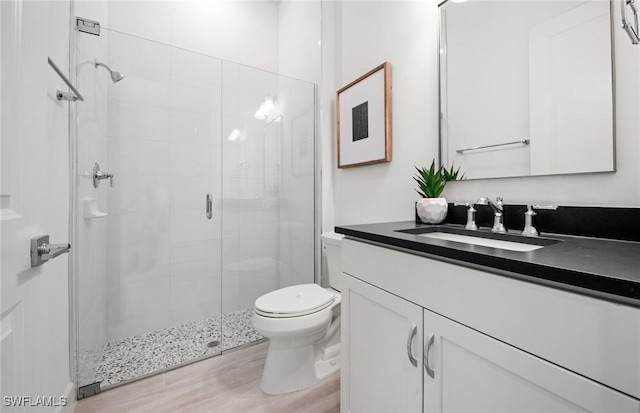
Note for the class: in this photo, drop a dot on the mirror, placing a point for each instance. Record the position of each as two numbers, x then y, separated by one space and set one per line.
526 87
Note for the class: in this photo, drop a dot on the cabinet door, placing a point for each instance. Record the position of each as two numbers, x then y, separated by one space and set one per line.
475 372
381 351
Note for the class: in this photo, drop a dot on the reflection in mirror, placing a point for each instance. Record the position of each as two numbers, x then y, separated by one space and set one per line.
272 157
526 87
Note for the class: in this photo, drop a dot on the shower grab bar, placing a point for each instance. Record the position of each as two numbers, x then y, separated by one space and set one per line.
523 142
65 95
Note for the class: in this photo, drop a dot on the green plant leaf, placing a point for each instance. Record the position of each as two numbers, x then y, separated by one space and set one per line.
451 174
431 182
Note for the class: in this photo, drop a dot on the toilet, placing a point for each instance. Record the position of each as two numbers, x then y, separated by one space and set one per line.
303 325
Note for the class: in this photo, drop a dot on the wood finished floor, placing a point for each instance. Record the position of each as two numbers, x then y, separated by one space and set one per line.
224 384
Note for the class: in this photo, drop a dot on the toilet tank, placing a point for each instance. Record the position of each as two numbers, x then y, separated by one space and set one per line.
246 280
333 246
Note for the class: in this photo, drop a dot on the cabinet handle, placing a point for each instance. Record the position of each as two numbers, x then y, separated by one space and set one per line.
427 349
412 333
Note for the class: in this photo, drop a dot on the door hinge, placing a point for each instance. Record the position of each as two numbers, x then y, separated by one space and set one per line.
88 26
88 390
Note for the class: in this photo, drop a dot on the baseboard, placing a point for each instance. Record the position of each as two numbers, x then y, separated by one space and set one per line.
70 394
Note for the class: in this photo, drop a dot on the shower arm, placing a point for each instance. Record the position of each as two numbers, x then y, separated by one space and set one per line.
103 65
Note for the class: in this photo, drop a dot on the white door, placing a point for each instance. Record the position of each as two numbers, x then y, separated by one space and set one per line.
35 200
381 336
473 372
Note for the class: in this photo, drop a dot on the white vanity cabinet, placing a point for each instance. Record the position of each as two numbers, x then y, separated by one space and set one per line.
384 336
499 343
473 372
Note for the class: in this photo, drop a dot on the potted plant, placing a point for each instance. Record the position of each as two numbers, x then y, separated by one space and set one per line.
432 208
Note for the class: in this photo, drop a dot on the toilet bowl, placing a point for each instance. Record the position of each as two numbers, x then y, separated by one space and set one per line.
303 325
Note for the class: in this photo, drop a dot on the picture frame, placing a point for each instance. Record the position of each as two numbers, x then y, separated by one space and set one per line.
363 117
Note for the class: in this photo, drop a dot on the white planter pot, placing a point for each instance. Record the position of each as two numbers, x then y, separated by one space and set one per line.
432 210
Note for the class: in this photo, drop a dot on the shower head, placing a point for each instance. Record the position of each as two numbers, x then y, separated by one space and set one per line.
115 76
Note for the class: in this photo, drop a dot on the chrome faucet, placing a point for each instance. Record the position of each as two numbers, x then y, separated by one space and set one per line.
498 213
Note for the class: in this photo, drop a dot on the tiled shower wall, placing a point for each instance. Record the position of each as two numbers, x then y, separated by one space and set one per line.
299 50
154 261
250 231
170 138
297 207
163 259
268 185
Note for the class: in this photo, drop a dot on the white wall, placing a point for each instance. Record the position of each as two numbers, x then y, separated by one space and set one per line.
34 304
405 34
240 31
358 36
299 39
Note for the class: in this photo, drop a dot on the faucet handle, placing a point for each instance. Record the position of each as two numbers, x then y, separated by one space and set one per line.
99 175
529 230
471 215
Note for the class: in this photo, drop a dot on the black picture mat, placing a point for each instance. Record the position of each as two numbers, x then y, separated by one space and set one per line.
360 121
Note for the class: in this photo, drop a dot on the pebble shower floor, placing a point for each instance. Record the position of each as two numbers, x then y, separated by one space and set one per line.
136 356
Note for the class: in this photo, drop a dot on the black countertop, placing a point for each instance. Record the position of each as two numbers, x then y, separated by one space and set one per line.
604 268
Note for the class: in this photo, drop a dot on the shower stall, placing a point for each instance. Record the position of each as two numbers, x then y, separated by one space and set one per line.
194 194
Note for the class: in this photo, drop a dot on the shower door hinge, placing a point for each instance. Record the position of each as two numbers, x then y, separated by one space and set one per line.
88 390
88 26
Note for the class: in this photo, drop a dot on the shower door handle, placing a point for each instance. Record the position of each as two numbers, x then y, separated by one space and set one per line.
209 206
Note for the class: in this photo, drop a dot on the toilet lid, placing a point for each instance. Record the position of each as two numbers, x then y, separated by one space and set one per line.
295 300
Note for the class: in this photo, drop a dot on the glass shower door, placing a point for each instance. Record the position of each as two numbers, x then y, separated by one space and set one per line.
148 256
268 140
212 203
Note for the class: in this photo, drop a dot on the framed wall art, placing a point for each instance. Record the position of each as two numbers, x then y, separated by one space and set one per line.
363 113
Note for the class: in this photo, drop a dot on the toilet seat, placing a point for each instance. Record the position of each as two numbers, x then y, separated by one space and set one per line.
294 301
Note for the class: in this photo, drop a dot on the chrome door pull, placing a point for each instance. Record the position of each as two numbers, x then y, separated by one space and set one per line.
412 333
427 349
209 206
42 251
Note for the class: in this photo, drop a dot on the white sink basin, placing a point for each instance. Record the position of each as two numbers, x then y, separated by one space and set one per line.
484 242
